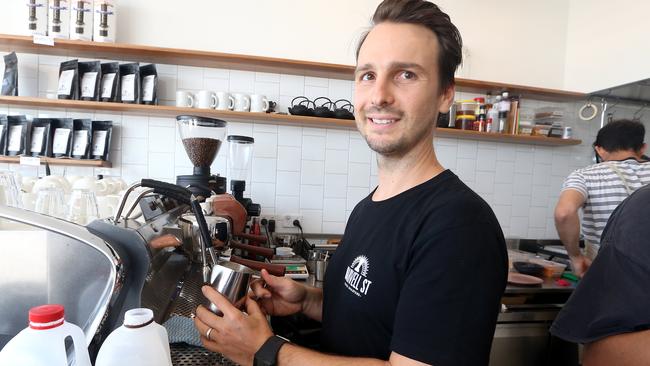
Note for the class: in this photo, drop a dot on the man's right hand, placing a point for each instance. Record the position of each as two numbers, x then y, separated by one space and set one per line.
580 265
279 296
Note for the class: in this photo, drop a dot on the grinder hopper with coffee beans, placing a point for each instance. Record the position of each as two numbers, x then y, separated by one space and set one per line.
202 138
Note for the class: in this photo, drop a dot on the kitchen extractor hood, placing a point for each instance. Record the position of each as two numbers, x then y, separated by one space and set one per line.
637 92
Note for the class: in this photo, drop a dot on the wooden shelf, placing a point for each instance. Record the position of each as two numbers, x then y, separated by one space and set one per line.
59 161
199 58
277 119
176 56
525 92
172 112
497 137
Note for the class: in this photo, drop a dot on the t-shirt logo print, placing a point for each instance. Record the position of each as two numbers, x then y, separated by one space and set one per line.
356 276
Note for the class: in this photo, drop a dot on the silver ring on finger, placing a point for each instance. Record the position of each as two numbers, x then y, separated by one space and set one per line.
207 333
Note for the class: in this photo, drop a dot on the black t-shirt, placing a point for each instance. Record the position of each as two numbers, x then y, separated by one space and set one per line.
614 295
420 274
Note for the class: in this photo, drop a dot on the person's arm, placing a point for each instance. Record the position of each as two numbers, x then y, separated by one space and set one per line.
629 349
292 355
567 224
312 307
283 296
239 336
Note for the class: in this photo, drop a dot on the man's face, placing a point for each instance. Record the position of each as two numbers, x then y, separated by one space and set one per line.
397 97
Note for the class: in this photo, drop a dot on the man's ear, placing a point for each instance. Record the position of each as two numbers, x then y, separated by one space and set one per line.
446 99
643 149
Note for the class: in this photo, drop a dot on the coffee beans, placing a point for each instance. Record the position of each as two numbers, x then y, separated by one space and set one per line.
201 150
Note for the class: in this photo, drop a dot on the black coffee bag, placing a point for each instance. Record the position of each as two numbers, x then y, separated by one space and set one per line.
69 80
3 134
61 138
10 78
149 83
110 88
81 137
130 83
39 137
17 135
90 75
101 140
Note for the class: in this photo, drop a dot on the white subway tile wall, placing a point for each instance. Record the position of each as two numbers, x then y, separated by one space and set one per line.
319 173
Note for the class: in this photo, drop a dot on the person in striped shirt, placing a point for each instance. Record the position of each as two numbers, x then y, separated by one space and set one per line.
598 189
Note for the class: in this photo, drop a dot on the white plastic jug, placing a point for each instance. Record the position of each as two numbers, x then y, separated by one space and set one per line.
138 342
43 342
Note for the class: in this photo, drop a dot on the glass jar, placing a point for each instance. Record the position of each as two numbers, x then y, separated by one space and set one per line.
465 121
465 107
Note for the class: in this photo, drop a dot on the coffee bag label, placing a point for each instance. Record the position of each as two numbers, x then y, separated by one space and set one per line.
80 142
37 139
15 134
99 142
128 87
147 88
107 85
60 141
65 82
88 81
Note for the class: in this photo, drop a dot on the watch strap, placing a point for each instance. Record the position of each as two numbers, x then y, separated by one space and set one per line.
267 355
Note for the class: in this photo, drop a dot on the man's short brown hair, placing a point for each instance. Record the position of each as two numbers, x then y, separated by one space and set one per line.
429 15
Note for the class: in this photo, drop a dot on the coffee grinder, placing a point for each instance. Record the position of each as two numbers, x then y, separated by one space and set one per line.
240 152
202 137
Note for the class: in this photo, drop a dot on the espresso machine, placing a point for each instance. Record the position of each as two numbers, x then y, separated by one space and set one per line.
163 243
188 234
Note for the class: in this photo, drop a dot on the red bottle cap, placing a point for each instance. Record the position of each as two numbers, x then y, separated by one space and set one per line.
46 316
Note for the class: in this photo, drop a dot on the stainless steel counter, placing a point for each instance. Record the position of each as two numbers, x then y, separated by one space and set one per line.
549 286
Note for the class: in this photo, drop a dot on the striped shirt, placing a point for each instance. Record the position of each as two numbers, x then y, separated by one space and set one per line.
605 186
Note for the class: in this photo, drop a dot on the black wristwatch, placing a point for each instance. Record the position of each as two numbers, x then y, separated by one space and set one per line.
267 355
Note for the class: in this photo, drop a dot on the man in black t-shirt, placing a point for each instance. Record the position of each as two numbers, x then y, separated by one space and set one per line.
419 273
610 309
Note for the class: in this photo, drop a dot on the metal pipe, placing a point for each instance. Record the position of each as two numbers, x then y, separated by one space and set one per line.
137 200
603 111
118 212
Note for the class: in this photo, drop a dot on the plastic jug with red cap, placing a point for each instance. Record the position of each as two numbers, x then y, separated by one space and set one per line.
43 343
138 342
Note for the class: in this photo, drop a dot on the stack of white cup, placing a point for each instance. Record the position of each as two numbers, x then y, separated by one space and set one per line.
222 101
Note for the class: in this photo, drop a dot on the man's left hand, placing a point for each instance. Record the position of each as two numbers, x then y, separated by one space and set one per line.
236 335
